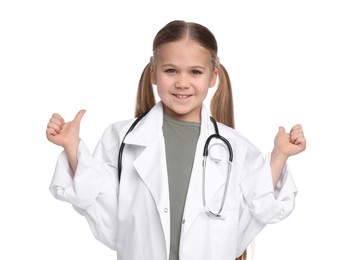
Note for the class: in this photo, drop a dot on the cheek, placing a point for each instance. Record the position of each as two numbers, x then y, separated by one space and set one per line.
163 82
163 85
204 92
205 86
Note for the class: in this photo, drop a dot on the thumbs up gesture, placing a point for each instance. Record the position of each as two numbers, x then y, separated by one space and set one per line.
65 134
290 143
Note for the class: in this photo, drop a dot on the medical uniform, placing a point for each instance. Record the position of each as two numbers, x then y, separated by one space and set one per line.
134 218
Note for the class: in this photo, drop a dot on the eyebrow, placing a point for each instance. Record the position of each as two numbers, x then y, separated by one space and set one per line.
192 67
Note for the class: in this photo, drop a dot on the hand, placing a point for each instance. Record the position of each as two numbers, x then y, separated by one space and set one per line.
287 144
64 134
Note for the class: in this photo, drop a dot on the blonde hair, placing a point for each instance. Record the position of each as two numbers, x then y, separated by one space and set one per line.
243 256
222 101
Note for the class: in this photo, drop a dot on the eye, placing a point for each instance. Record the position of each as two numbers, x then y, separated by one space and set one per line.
170 71
196 72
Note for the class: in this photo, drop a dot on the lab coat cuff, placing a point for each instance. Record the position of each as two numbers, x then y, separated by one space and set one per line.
62 177
285 186
269 205
82 189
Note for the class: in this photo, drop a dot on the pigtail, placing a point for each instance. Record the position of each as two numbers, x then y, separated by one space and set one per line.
222 109
222 101
145 98
243 256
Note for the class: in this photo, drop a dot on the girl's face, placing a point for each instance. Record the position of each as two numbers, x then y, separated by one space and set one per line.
183 74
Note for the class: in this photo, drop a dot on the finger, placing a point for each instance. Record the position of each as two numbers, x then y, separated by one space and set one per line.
301 141
55 127
57 121
50 133
296 134
79 116
296 128
58 117
295 140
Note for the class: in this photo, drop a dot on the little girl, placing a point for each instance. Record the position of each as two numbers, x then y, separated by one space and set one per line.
176 184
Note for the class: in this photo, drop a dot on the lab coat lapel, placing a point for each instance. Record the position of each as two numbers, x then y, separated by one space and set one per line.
151 163
214 179
151 167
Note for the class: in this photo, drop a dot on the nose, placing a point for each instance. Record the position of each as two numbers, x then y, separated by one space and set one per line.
182 81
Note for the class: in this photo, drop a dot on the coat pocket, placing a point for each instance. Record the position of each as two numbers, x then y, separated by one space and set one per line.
224 235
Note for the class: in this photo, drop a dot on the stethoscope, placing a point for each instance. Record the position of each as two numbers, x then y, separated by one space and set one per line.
205 155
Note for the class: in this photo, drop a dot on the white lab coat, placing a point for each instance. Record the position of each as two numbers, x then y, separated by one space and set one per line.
137 222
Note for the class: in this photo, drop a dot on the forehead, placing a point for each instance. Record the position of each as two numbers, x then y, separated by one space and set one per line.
184 50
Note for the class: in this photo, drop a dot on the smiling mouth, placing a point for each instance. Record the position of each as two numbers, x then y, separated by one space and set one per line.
182 96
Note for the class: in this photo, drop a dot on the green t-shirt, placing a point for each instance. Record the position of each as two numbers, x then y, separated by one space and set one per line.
180 143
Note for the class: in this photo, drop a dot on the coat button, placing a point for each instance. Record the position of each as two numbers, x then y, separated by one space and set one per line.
183 221
166 210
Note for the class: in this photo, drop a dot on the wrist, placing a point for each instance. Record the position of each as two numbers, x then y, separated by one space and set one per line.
71 152
71 147
278 157
277 163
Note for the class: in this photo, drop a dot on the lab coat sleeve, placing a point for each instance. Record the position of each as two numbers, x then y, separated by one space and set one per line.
261 203
92 190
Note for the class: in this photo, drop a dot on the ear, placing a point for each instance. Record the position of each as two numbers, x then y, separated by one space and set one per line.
214 76
153 75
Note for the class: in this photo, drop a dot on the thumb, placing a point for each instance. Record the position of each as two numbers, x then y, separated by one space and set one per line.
281 129
79 116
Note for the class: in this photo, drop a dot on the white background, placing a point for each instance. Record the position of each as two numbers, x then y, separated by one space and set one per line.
289 61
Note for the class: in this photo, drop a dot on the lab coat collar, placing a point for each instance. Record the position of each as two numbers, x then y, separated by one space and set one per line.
147 130
150 127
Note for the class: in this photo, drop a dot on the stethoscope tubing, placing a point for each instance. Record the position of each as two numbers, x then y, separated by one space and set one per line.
205 155
204 162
